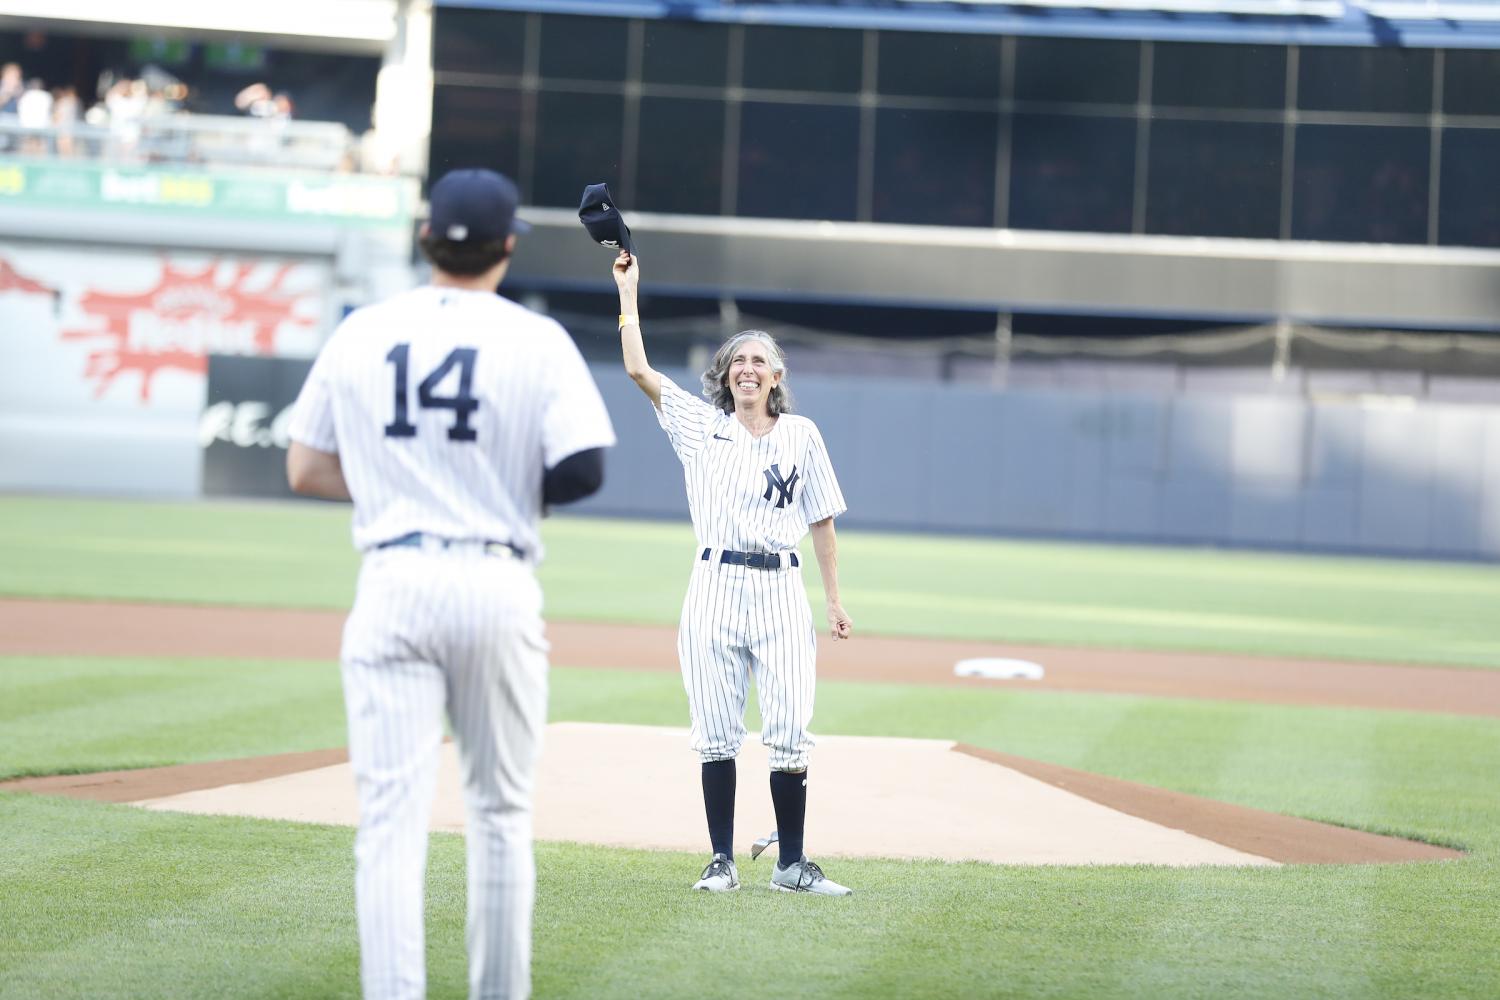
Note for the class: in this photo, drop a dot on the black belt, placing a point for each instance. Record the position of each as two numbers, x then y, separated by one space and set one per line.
417 539
754 560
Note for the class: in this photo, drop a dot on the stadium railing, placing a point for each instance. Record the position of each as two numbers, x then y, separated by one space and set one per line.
187 139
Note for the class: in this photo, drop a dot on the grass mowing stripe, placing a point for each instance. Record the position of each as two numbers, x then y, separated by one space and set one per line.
982 588
150 904
67 715
1118 614
97 893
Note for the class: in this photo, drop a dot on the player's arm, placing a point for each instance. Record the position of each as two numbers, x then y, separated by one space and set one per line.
826 548
627 279
315 473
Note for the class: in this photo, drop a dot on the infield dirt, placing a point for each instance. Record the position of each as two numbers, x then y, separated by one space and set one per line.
103 628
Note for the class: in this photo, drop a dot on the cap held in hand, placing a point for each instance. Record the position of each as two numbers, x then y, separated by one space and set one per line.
601 217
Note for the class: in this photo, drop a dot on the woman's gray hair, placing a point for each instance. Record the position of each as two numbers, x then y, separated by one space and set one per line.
717 391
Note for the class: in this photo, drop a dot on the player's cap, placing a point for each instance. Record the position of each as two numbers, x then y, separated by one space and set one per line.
601 217
476 206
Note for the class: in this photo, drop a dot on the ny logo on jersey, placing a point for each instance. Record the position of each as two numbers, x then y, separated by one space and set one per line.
782 487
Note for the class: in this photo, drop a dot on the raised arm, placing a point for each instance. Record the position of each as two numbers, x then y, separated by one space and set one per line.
826 548
627 279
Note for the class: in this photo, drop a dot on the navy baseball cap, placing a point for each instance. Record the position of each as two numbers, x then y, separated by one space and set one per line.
476 206
601 217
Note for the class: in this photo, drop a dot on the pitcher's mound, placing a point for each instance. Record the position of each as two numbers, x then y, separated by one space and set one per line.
638 786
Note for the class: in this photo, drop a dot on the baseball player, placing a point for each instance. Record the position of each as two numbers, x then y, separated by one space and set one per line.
451 417
757 478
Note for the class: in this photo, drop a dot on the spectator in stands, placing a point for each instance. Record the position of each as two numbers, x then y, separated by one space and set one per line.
66 111
176 95
258 101
11 87
126 105
34 114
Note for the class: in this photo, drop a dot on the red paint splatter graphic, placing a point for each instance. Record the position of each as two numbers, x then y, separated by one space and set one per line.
177 324
12 280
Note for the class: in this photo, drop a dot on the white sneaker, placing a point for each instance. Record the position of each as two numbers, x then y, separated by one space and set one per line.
719 876
804 876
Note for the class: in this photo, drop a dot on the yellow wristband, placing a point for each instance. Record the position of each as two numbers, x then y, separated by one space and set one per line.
632 319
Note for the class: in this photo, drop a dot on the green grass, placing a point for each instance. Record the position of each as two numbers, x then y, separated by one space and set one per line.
110 902
299 555
103 901
107 901
61 715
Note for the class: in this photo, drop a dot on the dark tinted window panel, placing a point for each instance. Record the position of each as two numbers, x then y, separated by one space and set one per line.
822 59
478 41
1078 70
1346 78
1193 75
1468 211
1072 172
681 161
1363 183
1214 179
578 138
1471 82
584 48
798 161
939 65
475 127
935 167
685 52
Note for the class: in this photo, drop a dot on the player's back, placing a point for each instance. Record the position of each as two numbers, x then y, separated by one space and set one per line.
440 401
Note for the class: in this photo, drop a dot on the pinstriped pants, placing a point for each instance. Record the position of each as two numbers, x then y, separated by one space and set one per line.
454 632
737 621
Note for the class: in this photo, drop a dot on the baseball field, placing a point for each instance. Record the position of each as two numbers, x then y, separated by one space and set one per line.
1355 692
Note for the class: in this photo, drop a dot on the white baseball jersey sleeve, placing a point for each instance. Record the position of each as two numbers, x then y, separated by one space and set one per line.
746 493
444 407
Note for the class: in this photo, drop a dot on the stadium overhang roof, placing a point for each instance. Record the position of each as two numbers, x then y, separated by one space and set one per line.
364 26
1410 23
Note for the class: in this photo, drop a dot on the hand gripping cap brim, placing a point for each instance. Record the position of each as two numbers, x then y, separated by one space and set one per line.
601 217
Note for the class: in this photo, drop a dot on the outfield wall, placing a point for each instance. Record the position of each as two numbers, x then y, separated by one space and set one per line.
1394 476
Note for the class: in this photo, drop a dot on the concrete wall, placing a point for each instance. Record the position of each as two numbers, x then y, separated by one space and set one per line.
1255 281
1251 470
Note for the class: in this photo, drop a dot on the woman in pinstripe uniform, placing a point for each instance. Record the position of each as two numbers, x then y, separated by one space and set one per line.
758 477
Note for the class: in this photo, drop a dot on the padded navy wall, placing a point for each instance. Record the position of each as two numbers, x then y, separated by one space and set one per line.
1251 470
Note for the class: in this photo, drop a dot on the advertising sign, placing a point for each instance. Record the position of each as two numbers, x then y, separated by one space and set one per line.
243 427
104 357
343 198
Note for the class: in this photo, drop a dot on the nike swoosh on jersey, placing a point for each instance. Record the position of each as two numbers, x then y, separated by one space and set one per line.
720 437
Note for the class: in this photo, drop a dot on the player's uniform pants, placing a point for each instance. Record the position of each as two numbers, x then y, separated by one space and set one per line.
460 632
737 620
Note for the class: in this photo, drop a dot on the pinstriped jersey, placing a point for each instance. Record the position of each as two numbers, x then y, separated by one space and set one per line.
746 493
444 406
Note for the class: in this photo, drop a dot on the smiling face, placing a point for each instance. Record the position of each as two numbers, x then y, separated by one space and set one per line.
751 378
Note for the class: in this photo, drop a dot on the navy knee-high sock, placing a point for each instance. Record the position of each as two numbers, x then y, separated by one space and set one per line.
718 803
789 798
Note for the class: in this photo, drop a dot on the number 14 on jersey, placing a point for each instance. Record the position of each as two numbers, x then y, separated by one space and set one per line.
462 403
